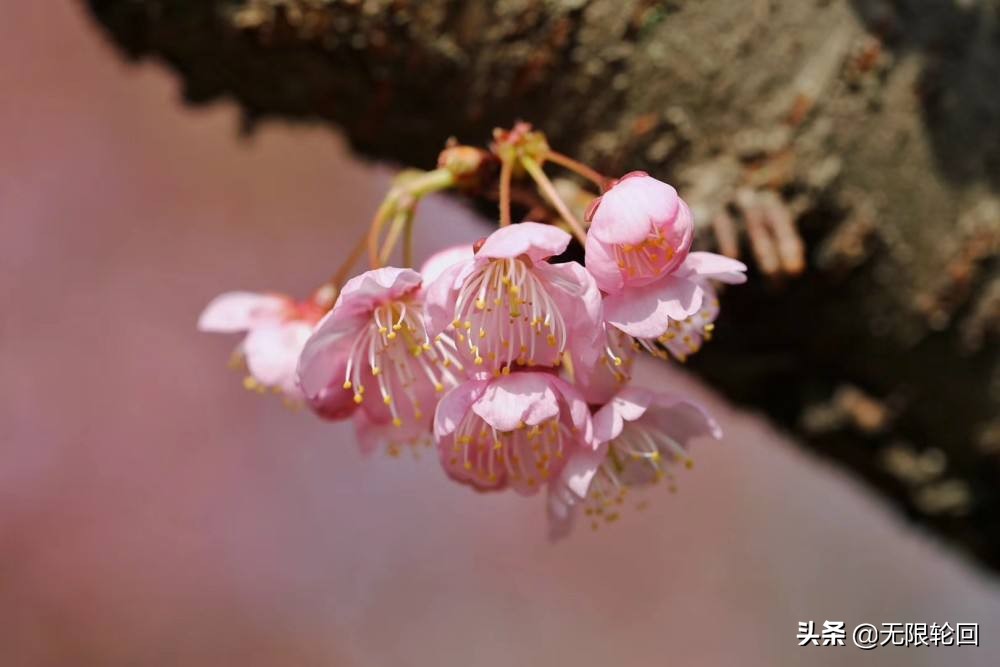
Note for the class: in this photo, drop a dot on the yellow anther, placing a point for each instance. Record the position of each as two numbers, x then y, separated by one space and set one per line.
387 400
397 422
358 398
376 371
392 335
551 338
480 304
468 465
438 387
249 383
478 361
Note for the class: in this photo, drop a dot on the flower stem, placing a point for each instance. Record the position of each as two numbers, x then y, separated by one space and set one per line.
408 242
375 231
402 200
506 170
579 168
549 192
392 237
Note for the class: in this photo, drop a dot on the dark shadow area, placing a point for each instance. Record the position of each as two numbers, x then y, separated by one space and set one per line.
959 88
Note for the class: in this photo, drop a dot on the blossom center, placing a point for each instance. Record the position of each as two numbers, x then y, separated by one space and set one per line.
649 259
395 349
637 457
505 315
526 456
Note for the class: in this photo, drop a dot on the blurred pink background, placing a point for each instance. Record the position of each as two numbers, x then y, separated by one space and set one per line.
154 513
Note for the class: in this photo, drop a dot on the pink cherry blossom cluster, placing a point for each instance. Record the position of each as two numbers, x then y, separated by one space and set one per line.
515 367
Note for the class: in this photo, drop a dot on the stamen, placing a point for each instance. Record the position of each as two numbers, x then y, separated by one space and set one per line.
510 309
399 354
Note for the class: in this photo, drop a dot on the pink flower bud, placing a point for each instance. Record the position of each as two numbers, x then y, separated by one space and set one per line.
640 230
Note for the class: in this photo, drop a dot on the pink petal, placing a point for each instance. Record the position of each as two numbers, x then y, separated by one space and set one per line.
373 288
645 312
334 402
580 470
521 397
440 296
324 356
579 412
716 267
602 265
439 261
579 301
533 239
632 208
629 404
560 510
454 405
272 353
683 418
240 311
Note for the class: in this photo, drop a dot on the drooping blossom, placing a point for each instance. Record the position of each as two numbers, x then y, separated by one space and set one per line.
514 431
276 327
677 311
373 350
640 230
641 436
509 306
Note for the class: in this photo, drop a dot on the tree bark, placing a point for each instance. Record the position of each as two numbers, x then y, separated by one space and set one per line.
869 130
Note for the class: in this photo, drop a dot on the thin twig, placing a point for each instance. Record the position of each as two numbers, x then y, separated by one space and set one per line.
549 191
375 231
506 169
577 167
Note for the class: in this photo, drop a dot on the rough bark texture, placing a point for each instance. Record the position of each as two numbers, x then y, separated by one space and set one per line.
872 125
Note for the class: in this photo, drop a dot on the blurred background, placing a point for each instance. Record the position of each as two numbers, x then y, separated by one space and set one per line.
155 513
